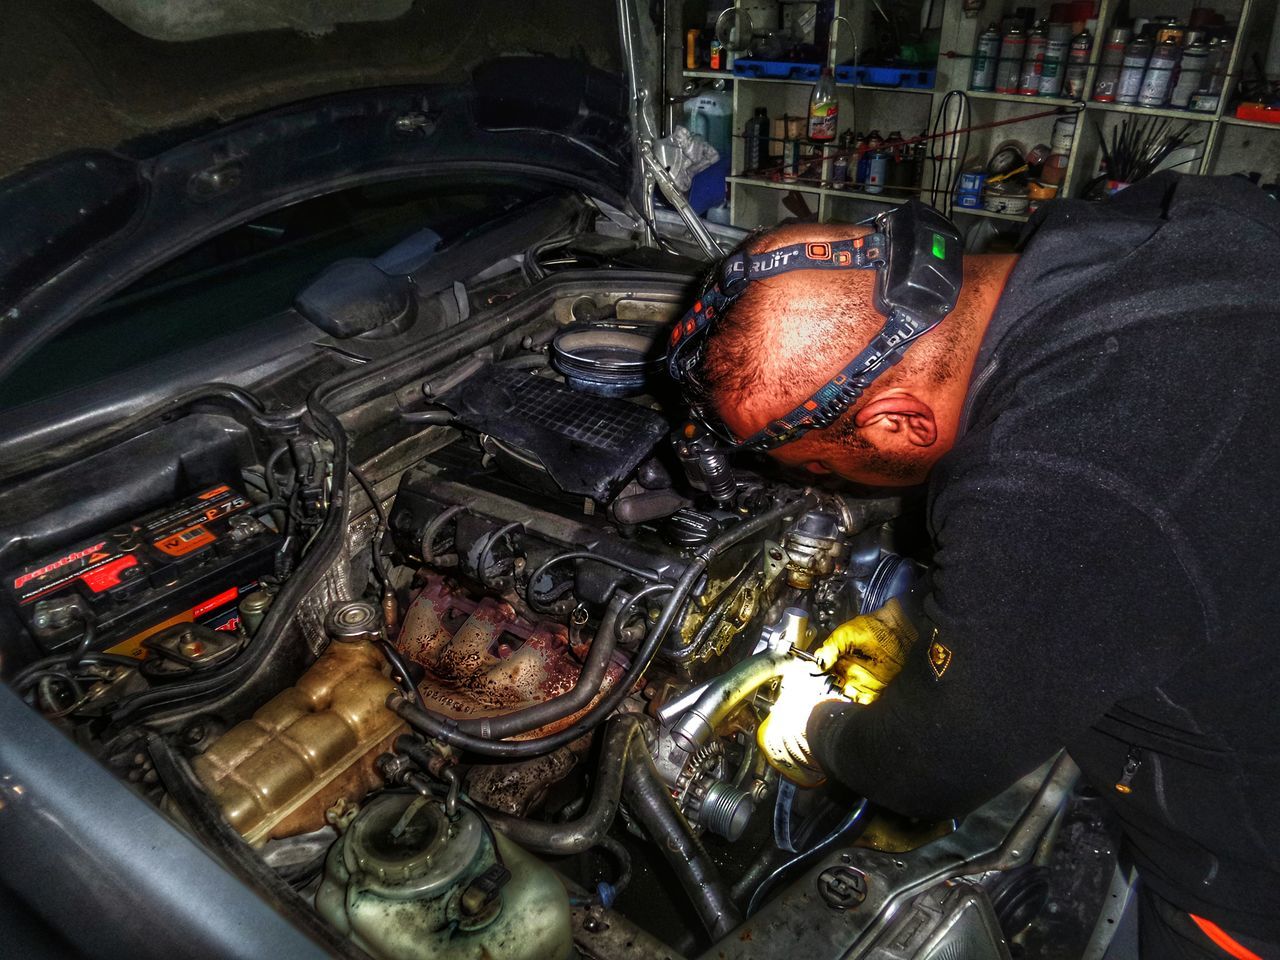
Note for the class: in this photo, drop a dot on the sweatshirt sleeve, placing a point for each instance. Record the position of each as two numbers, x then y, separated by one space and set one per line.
1051 598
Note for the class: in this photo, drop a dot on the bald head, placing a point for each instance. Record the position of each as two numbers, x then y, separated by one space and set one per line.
789 334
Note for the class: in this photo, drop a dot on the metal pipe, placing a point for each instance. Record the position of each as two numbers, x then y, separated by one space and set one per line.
682 702
724 695
654 807
577 836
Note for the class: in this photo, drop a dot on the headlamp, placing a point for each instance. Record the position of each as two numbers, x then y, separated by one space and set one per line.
916 253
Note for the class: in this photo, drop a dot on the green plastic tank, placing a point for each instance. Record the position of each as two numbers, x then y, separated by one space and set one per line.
405 882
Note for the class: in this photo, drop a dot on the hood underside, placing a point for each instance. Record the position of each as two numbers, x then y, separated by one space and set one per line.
129 74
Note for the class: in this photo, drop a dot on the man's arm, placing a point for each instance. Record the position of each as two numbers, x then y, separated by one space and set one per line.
1050 600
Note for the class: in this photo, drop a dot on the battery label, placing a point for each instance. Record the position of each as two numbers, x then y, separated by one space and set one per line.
111 560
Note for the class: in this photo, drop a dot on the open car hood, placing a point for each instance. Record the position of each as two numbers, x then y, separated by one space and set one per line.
142 164
83 226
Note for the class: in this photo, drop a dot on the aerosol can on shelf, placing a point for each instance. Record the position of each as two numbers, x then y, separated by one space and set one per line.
1107 83
1013 46
1055 59
1033 62
1194 58
756 142
985 57
1077 66
824 109
840 165
868 146
1136 55
1160 75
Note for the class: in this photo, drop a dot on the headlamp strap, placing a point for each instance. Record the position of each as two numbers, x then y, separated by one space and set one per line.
856 253
830 400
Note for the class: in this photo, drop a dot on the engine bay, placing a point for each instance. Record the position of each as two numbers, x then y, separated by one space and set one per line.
465 642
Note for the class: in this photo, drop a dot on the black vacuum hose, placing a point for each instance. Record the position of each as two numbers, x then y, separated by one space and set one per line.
623 737
651 802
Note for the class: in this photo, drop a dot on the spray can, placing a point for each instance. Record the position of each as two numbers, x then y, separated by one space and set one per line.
824 108
877 171
790 159
840 165
985 57
1055 57
1033 62
1157 81
692 39
755 141
868 146
1009 68
1213 79
857 166
1136 55
1077 66
1108 80
918 154
1194 59
898 169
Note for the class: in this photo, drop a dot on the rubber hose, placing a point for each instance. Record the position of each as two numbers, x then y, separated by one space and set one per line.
584 690
222 684
653 806
585 832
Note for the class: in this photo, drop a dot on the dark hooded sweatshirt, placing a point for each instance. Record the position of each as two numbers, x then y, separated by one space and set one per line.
1107 535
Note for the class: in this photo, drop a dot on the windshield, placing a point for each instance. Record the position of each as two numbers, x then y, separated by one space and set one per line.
253 271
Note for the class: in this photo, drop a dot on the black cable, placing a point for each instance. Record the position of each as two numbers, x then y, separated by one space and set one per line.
446 729
269 471
427 546
649 575
399 666
282 611
851 820
383 526
72 659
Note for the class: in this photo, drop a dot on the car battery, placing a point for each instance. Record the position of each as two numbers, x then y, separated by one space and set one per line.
187 562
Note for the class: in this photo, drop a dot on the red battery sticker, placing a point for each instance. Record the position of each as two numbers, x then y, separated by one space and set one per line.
80 563
106 561
219 612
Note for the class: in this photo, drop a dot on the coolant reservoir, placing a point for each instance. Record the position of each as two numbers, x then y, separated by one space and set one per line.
405 882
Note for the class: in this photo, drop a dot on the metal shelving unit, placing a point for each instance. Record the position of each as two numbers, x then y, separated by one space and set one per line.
993 215
804 186
1151 111
1019 98
1252 124
757 200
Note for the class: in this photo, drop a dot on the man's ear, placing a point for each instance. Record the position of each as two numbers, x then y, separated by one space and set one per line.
898 418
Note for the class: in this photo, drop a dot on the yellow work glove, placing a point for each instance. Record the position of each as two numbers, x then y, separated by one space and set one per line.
865 653
781 735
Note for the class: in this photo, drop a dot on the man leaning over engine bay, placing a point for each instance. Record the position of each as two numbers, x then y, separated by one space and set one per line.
1095 420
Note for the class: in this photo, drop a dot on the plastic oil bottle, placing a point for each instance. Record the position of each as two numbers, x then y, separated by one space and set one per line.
824 109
